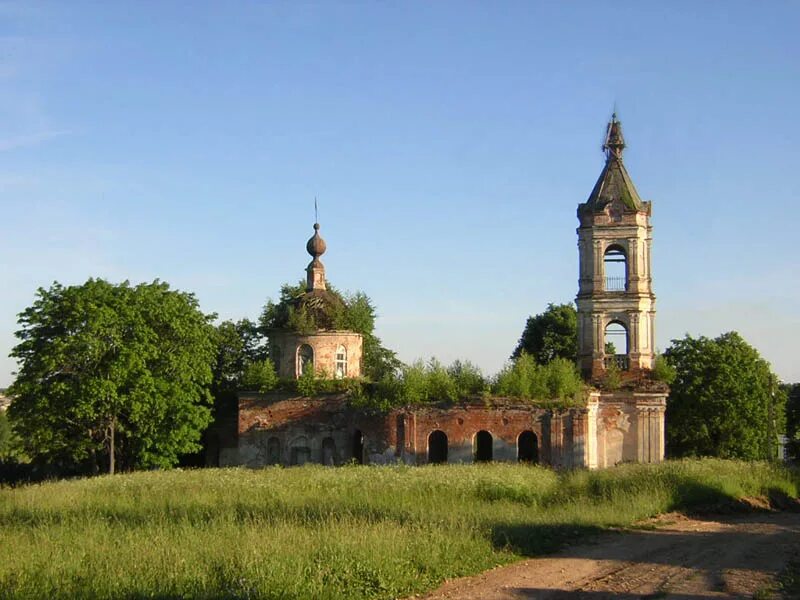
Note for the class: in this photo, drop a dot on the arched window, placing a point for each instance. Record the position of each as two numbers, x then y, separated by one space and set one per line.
615 345
358 446
437 447
483 446
300 451
341 362
273 451
305 359
328 452
527 447
615 267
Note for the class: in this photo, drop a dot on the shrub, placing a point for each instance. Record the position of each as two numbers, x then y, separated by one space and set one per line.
663 371
260 376
528 380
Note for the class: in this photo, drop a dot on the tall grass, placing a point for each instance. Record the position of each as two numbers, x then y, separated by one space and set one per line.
315 532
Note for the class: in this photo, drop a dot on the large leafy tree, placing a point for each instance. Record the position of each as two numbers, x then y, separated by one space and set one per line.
724 400
550 334
112 376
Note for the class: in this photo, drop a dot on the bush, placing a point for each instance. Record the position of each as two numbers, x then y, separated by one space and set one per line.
260 376
528 380
663 371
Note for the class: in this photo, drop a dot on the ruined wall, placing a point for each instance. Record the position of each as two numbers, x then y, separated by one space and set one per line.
553 430
629 427
278 428
281 428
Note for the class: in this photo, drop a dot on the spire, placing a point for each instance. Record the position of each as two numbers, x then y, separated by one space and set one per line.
614 183
315 272
615 143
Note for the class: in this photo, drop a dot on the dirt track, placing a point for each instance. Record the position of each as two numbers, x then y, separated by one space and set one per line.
686 558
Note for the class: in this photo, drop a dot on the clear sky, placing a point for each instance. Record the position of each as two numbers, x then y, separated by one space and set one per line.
449 144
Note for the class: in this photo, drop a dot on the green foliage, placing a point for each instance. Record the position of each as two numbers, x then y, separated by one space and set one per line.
663 370
431 382
238 346
527 379
307 382
260 376
112 374
306 312
550 335
468 379
612 378
723 401
318 532
10 444
379 362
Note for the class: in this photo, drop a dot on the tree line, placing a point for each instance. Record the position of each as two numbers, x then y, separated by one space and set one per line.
120 377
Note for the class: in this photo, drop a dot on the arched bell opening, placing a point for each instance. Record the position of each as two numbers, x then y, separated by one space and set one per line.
616 346
615 269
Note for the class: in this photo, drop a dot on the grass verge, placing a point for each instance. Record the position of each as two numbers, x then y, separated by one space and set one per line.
315 532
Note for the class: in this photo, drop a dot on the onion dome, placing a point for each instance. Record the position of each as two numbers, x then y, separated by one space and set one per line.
316 245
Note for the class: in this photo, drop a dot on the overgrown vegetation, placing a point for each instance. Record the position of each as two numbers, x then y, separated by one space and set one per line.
527 379
724 400
305 312
431 382
316 532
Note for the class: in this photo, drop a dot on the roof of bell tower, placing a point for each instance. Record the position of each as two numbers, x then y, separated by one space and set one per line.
614 182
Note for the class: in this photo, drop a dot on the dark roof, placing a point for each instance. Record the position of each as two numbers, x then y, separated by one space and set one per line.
614 182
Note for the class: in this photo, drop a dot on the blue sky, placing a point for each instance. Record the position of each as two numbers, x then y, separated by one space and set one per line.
449 144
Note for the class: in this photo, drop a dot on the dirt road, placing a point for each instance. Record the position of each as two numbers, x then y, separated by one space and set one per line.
686 558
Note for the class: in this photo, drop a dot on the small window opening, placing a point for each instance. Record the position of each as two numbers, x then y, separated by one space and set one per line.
305 359
341 362
615 345
528 447
437 447
615 265
483 446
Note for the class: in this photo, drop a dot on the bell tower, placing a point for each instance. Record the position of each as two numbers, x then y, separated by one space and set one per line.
616 305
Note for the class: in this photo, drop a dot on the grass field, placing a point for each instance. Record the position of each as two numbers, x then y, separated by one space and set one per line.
316 532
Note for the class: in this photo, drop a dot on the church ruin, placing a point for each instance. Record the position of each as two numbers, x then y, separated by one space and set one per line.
616 317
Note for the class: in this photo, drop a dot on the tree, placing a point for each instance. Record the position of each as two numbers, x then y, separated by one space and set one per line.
723 401
239 345
9 442
109 374
551 334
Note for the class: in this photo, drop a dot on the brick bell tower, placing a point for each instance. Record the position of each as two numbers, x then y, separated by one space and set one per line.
616 305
